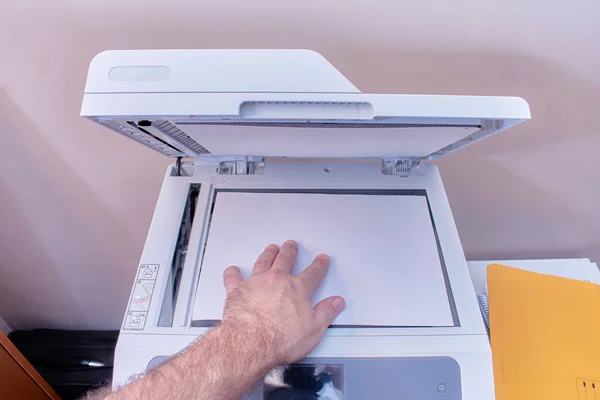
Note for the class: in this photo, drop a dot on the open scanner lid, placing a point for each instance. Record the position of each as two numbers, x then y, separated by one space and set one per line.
277 103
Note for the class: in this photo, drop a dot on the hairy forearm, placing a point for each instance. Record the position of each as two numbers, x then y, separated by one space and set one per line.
224 364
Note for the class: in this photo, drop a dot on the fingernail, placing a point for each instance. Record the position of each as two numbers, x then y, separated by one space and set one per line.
272 247
322 258
291 243
338 304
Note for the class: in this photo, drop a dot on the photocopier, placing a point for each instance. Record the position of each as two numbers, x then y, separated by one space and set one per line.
270 145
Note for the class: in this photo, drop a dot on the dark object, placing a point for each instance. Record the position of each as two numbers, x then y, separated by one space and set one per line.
302 382
72 362
305 378
290 394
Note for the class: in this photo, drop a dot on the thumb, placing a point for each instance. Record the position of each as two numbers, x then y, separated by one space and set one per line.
232 278
328 309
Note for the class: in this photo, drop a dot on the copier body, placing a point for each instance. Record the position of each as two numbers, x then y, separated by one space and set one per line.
253 127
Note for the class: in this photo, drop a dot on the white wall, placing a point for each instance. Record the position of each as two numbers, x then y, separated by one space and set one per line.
76 200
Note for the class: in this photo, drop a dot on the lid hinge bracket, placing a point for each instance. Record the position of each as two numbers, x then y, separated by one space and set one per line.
398 167
241 166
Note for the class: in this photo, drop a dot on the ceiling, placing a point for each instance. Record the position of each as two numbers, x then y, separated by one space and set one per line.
76 200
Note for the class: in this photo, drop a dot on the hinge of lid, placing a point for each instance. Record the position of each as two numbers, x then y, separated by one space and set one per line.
398 167
241 166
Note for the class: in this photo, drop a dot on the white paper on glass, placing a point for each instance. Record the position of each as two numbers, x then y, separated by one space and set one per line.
384 256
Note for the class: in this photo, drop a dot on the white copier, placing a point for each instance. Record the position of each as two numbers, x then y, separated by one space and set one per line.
270 145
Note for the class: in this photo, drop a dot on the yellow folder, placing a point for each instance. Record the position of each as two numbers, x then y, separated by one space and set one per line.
545 336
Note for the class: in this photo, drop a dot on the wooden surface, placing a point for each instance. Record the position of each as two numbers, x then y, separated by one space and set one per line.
18 378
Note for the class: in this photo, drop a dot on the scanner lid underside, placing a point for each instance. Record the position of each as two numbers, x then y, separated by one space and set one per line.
277 103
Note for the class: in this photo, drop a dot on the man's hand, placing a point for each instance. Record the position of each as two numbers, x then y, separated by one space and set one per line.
267 321
274 306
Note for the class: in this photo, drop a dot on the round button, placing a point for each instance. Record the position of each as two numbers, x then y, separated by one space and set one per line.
441 387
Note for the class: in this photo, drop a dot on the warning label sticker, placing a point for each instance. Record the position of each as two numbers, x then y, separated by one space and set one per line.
135 320
137 312
148 271
142 293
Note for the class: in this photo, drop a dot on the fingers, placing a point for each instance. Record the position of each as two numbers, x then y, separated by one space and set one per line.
286 257
313 275
232 278
265 260
328 309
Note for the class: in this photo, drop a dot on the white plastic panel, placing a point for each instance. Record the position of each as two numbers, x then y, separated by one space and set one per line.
139 74
139 71
135 351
